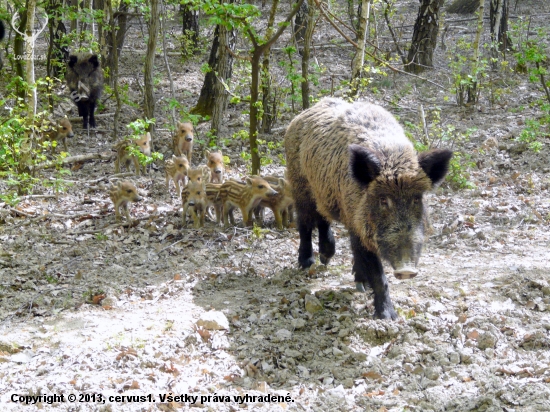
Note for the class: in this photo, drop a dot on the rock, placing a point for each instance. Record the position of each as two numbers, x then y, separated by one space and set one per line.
432 372
109 302
454 358
213 320
291 353
486 340
312 304
283 334
298 323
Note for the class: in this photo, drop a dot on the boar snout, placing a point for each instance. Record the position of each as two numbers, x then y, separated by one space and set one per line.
188 138
272 193
405 270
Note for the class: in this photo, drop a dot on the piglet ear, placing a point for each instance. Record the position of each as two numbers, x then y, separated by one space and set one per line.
364 164
435 164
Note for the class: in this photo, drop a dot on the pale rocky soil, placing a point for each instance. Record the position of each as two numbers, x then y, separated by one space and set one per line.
474 330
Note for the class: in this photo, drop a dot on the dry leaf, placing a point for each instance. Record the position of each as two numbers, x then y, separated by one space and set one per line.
177 276
373 375
97 299
473 335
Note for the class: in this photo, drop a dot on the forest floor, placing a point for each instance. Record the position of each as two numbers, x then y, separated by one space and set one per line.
89 307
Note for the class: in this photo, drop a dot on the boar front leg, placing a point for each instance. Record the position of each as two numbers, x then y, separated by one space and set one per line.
367 268
91 109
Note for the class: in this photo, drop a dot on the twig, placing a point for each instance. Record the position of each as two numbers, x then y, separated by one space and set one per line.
73 159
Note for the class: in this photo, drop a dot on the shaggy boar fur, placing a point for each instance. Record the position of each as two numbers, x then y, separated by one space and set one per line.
353 163
85 80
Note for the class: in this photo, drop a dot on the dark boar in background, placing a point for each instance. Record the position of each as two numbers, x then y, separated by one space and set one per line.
353 163
85 80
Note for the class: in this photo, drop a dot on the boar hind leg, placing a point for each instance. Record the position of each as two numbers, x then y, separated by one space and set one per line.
367 269
327 246
91 109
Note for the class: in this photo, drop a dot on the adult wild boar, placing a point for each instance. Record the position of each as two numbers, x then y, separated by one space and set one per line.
353 163
85 80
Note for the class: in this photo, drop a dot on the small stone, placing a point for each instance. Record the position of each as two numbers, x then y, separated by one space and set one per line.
298 323
291 353
418 370
213 320
454 358
486 340
337 352
283 334
432 373
109 302
312 304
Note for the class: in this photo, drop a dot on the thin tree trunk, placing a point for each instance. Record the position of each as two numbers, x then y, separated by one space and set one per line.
257 53
120 27
424 39
268 117
359 58
472 88
149 108
498 15
228 40
167 64
29 51
19 52
306 54
114 69
190 24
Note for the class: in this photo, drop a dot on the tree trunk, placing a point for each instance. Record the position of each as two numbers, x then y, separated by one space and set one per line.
268 105
499 25
424 38
120 20
29 56
149 108
359 58
57 53
306 53
257 53
114 68
228 40
213 96
472 88
300 26
190 25
19 52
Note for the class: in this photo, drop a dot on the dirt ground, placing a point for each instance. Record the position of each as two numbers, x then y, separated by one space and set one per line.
474 326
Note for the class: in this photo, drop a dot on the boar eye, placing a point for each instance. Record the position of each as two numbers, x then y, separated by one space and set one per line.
416 200
383 201
261 186
129 190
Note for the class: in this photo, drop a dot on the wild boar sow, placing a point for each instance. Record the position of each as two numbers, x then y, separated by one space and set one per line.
353 163
85 80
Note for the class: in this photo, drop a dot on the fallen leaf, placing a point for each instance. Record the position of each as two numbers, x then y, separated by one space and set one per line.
97 299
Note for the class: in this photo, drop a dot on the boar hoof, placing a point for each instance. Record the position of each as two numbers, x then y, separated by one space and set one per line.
360 287
386 314
324 259
306 263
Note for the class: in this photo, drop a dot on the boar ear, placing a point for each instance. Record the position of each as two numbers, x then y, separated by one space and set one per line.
94 60
435 164
364 164
72 60
148 136
282 182
207 154
249 181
